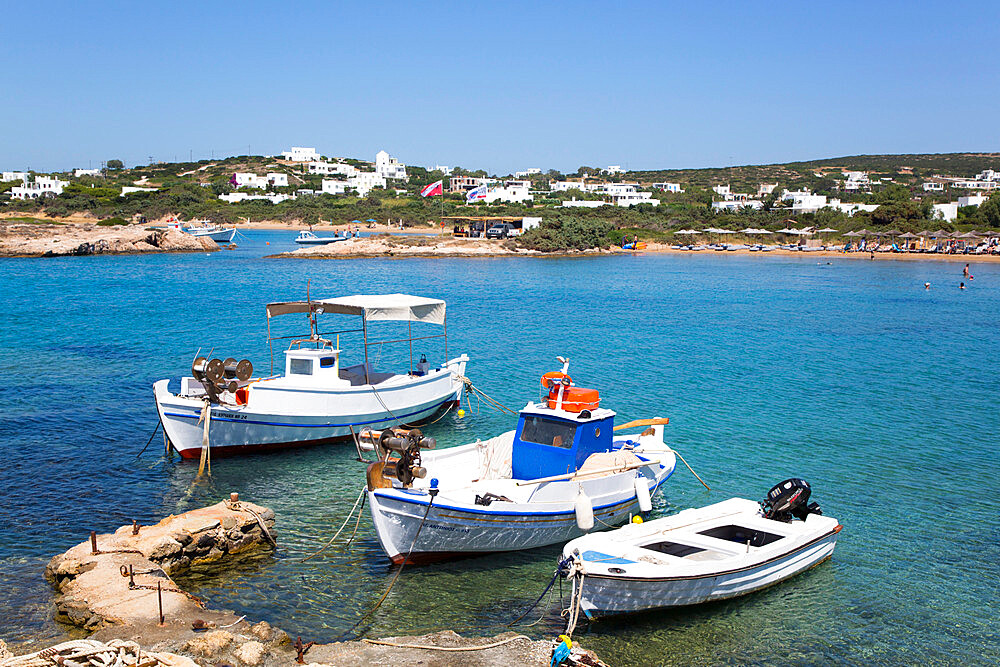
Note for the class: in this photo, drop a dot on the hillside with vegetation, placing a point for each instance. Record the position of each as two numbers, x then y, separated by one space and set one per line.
190 190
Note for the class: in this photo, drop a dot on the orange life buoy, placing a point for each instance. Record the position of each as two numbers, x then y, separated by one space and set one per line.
576 399
553 379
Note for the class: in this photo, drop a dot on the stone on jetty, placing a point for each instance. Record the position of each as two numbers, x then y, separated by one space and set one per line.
95 593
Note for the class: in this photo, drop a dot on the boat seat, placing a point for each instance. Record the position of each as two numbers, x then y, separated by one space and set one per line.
604 460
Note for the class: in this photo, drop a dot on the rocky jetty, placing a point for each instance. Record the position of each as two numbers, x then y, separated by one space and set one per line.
61 240
385 245
127 577
118 587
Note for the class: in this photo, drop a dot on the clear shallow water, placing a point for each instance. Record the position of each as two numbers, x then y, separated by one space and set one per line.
881 394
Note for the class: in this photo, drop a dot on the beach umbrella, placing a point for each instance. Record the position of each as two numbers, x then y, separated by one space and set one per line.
925 233
863 232
826 230
687 231
969 235
940 234
892 232
908 235
853 234
355 221
371 220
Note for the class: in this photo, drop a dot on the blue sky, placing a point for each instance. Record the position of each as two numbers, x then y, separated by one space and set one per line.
501 86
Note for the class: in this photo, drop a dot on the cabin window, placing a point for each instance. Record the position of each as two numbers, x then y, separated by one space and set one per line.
327 362
301 367
549 432
741 535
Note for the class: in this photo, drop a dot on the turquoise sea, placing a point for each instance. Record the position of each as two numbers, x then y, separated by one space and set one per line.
848 373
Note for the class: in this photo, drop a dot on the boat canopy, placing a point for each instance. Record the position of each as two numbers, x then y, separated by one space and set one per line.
372 307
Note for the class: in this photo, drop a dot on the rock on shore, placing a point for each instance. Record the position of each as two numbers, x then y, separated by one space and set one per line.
55 240
385 245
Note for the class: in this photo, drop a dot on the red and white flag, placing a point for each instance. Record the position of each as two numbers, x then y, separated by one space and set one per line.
433 189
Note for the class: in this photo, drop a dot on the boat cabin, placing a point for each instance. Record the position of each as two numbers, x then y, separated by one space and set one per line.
550 442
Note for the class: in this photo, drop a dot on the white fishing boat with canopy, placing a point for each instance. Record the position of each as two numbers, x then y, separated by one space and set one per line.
319 398
545 482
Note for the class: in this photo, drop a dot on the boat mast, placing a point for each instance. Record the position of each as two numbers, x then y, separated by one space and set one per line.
364 332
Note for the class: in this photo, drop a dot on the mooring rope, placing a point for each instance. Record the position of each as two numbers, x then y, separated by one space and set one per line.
206 457
79 652
428 647
342 526
155 429
433 493
559 570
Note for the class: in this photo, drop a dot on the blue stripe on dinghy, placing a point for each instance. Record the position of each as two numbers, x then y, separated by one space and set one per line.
597 556
252 421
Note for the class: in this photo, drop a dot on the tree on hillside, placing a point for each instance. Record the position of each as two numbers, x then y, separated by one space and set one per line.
892 193
115 164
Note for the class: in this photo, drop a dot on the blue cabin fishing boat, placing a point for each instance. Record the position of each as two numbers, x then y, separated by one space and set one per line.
561 472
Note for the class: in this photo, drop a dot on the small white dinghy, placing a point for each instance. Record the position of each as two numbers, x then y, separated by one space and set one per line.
710 553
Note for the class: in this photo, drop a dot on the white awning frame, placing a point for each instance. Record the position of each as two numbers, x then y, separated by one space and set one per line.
371 307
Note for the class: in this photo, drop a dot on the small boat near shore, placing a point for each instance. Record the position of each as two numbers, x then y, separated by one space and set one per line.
214 232
319 399
543 483
721 551
308 238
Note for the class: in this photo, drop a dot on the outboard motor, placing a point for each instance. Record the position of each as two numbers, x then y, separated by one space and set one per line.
790 499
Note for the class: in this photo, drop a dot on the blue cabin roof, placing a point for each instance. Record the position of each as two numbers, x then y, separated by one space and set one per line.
554 442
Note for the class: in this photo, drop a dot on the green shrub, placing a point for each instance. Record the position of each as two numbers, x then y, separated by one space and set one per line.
111 222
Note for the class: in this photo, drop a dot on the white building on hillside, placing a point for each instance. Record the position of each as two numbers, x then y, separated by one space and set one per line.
41 186
668 187
614 169
946 212
527 172
856 180
722 190
736 204
584 203
8 176
851 209
248 180
132 189
366 181
327 168
387 166
972 200
933 186
237 197
443 169
764 189
514 192
977 184
628 194
300 154
77 173
332 187
581 185
807 202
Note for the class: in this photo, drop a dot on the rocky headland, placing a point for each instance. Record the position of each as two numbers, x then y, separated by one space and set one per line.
53 239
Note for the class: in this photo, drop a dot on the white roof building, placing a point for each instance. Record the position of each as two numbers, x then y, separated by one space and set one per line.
807 202
8 176
721 189
248 180
366 181
278 180
130 189
387 166
41 186
77 173
856 180
628 194
933 186
764 189
614 169
300 154
443 169
581 185
668 187
236 197
332 187
527 172
584 203
946 212
972 200
512 191
851 209
737 204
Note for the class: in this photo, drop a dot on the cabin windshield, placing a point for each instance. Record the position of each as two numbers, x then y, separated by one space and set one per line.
549 432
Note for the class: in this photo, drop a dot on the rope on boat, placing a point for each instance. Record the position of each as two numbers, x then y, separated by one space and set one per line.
690 468
206 457
428 647
433 493
342 526
89 652
482 394
572 614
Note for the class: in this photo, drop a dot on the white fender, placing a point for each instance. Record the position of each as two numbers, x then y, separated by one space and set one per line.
642 494
584 512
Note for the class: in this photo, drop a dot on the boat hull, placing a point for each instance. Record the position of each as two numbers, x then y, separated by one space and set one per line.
322 417
406 527
604 595
219 236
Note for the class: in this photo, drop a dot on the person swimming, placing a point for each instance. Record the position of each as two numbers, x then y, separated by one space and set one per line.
961 286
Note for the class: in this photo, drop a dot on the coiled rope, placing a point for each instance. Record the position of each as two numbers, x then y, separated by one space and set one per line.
79 652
